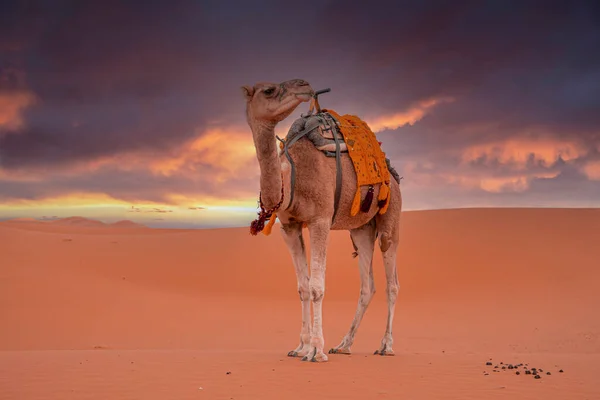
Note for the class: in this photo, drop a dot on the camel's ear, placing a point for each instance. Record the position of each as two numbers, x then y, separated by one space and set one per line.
248 92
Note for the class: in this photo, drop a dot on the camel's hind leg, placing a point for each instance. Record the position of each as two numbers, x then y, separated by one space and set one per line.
391 274
292 235
364 240
388 227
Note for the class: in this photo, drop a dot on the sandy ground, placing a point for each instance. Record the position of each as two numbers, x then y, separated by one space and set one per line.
103 312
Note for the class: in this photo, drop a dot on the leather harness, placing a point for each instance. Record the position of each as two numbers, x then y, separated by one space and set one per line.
328 122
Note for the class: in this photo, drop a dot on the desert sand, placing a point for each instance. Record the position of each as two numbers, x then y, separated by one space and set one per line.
92 311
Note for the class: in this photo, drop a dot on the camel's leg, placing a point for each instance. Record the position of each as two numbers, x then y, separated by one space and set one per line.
391 274
292 235
319 238
364 240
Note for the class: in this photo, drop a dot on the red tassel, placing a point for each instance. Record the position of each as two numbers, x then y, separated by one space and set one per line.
256 226
366 204
259 223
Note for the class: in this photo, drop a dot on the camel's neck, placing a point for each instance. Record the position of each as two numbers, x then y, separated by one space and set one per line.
270 166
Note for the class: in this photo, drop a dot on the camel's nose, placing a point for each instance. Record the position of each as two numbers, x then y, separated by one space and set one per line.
298 82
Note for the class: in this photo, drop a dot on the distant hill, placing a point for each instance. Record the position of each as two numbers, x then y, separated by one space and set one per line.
22 220
76 222
127 224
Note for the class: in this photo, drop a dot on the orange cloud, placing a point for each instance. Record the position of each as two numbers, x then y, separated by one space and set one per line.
229 151
592 170
513 183
518 183
408 117
427 174
236 201
19 176
74 199
174 203
518 152
217 155
12 105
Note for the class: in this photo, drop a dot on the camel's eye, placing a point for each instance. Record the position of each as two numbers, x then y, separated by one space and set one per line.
269 91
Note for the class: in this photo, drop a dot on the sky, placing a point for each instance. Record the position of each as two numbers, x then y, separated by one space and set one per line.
122 110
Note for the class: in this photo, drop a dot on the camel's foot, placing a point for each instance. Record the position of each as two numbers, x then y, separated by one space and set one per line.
385 349
384 352
300 351
386 346
315 355
342 348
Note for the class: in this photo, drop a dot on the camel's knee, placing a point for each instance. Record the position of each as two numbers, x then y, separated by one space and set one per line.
366 296
317 289
304 291
392 291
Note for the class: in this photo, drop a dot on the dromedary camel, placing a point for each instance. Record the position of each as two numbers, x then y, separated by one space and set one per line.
313 204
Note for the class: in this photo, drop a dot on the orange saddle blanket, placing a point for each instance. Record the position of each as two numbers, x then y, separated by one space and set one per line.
367 157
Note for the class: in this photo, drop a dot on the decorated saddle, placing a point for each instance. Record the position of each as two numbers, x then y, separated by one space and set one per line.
354 137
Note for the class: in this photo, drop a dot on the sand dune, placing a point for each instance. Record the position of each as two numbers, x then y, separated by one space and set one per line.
145 313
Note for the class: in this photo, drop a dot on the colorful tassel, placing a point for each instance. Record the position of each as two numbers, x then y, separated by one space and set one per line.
256 226
366 204
355 203
267 230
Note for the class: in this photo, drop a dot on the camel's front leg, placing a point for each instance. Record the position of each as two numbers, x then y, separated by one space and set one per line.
292 235
319 237
364 240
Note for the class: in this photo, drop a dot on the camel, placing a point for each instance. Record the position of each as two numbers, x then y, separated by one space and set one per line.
312 206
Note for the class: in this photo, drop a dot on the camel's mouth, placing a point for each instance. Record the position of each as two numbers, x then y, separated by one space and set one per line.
305 96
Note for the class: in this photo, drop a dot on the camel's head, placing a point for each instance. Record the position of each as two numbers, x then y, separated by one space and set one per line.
273 102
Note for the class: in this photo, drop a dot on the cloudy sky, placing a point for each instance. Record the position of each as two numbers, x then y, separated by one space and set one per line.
117 110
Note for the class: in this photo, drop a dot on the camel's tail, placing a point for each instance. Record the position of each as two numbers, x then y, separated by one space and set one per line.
388 224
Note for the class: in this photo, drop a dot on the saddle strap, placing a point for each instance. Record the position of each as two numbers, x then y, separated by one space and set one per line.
286 146
338 174
338 161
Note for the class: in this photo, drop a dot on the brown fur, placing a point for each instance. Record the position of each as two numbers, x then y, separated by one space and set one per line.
315 191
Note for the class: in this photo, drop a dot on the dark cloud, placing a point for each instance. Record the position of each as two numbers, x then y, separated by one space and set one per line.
515 62
120 77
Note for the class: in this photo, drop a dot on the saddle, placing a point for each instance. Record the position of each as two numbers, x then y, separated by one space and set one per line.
330 133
